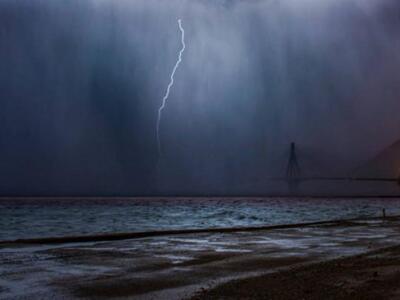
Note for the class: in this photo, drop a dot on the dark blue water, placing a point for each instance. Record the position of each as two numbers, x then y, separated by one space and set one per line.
27 218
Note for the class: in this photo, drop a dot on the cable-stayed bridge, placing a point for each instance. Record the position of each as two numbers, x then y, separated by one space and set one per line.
294 175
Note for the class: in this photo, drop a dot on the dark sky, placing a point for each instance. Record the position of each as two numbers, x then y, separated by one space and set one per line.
81 83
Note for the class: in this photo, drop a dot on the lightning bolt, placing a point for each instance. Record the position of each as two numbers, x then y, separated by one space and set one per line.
171 83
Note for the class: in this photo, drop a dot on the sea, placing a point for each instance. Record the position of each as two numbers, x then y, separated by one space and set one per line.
53 217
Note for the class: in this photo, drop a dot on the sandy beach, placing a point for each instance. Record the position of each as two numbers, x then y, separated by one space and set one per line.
337 260
373 275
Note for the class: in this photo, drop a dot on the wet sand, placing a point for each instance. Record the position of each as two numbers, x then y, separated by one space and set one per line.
374 275
202 265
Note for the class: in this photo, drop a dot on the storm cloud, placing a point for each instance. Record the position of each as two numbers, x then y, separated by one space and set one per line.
81 83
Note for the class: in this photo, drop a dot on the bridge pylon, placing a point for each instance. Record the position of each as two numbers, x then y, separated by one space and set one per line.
293 171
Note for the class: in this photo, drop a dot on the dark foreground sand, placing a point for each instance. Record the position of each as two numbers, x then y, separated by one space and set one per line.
358 259
374 275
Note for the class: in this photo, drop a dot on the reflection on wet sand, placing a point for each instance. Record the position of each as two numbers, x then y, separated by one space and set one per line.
176 266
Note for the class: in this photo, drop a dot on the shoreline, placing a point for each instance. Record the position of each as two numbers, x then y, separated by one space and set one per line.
145 234
179 266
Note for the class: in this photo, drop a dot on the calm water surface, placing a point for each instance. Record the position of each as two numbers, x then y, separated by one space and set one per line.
27 218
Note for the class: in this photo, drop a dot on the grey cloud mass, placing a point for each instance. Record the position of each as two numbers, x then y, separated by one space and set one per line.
81 83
